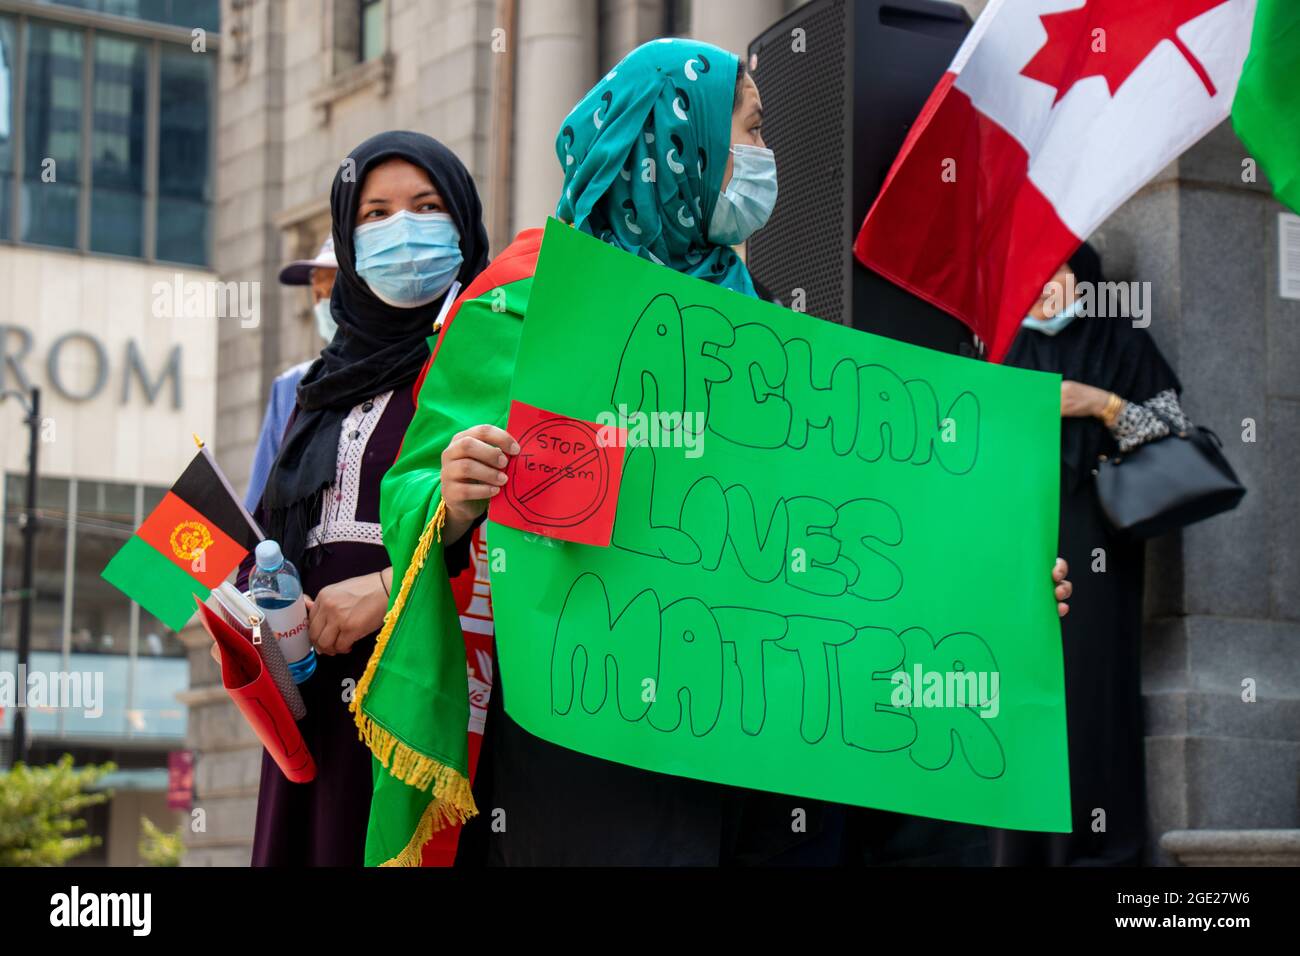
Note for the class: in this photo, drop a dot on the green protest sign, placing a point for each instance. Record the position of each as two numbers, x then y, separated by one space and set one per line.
830 567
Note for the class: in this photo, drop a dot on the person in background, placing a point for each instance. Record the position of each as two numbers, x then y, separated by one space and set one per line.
407 225
318 273
1118 393
715 186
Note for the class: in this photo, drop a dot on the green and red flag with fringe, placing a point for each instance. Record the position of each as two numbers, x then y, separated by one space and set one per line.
412 703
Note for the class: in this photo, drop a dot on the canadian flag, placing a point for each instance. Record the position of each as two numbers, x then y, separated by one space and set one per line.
1052 114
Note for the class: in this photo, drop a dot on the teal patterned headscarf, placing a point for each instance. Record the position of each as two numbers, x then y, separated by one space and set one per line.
644 154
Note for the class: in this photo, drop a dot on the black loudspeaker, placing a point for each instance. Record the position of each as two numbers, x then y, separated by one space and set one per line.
841 83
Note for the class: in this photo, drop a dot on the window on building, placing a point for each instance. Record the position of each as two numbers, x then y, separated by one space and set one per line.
100 617
112 145
184 157
117 143
52 107
374 29
8 61
203 14
48 576
83 625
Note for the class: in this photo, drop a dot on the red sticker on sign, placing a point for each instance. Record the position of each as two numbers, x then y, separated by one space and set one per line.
564 481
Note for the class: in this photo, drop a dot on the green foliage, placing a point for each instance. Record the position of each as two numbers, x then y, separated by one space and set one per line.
158 847
40 812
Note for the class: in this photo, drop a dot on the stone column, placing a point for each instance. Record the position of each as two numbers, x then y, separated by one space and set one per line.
557 65
628 24
732 24
249 189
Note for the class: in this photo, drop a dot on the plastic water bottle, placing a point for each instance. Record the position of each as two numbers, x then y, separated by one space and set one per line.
277 590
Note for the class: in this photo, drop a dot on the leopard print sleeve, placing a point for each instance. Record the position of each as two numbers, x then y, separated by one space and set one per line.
1139 424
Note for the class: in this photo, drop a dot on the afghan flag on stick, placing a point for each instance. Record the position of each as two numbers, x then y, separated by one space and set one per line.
1266 112
188 545
1052 114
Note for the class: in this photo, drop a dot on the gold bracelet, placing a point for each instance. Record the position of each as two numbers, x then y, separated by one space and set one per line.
1110 414
1112 409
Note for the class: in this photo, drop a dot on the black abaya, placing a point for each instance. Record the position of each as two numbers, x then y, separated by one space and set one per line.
1102 634
1101 638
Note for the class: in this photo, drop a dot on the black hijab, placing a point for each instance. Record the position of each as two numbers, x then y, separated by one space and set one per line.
378 347
1106 352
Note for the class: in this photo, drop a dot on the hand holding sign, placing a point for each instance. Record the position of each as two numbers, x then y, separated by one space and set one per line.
564 481
472 473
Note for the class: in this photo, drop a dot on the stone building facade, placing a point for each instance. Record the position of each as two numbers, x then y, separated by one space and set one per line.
492 79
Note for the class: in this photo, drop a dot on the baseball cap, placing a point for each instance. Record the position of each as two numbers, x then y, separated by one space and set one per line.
299 272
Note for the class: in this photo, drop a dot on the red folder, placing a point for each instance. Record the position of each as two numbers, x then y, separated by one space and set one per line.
250 686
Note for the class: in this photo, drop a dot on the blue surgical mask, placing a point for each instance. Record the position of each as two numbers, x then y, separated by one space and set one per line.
408 259
1055 323
325 323
746 204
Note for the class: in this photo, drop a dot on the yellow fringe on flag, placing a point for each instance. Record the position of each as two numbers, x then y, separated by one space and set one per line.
436 816
453 802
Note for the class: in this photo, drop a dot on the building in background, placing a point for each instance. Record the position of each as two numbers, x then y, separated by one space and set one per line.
105 195
299 83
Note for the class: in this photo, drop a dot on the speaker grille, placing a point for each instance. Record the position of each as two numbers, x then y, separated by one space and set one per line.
807 123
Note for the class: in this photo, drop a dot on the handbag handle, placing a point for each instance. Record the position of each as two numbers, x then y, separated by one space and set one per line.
1183 434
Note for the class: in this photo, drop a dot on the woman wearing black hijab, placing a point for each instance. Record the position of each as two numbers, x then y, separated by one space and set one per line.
407 224
1115 383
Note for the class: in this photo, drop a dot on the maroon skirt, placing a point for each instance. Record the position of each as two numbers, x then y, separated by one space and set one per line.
322 823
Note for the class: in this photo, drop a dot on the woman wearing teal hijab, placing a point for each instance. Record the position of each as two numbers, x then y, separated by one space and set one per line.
665 159
646 152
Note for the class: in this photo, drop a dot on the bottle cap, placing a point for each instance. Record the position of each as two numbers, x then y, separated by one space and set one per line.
269 557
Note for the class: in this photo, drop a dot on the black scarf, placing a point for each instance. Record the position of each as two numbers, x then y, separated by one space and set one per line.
378 347
1106 352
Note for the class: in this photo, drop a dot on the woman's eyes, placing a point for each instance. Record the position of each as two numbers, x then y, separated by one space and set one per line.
383 212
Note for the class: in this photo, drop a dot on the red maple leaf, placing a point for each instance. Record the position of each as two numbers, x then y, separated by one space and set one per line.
1132 30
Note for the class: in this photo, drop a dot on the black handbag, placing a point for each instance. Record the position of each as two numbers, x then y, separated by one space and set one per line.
1168 483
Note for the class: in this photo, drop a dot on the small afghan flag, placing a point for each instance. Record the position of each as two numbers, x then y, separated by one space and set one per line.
188 545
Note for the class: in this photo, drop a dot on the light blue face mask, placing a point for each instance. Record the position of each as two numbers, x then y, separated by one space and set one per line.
408 259
746 204
1055 323
325 323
